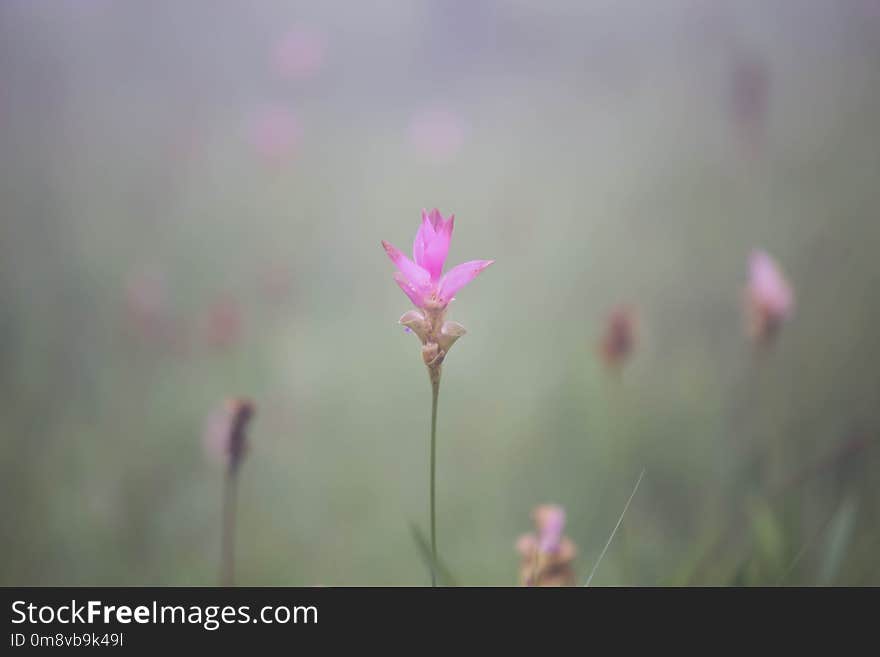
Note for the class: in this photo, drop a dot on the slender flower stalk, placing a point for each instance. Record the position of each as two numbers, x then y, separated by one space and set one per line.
423 281
227 542
769 304
226 437
435 393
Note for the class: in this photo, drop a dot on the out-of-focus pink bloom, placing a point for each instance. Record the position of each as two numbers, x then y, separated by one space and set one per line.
422 279
275 133
619 338
223 323
769 296
550 520
547 554
437 134
750 99
276 283
146 305
300 54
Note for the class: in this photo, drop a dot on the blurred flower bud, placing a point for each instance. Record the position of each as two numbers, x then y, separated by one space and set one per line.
769 298
550 521
437 134
275 134
146 305
619 339
300 54
750 99
223 323
547 555
225 436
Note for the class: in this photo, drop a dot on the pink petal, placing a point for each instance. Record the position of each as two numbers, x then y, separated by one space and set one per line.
551 522
432 220
275 133
437 248
459 276
436 219
300 53
423 236
413 294
768 283
415 275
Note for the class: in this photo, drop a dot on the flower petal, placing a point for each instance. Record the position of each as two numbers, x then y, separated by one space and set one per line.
768 283
459 276
437 248
414 295
416 275
434 218
424 235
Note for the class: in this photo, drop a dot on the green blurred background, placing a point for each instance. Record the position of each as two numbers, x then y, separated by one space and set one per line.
184 218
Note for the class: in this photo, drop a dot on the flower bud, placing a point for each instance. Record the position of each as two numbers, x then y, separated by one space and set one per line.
547 555
619 337
432 355
769 298
225 435
449 333
415 322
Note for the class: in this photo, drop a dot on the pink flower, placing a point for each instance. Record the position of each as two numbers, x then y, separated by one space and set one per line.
148 312
275 133
550 520
547 554
619 338
223 323
146 301
769 297
750 99
437 134
422 278
300 54
768 285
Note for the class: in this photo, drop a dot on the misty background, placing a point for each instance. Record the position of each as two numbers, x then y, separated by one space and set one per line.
192 198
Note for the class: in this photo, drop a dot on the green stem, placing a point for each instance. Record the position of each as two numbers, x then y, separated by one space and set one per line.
435 390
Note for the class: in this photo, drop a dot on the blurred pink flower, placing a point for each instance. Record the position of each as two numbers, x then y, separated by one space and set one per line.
547 555
437 134
146 304
619 338
299 54
275 133
223 323
276 283
550 520
769 296
423 280
750 99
